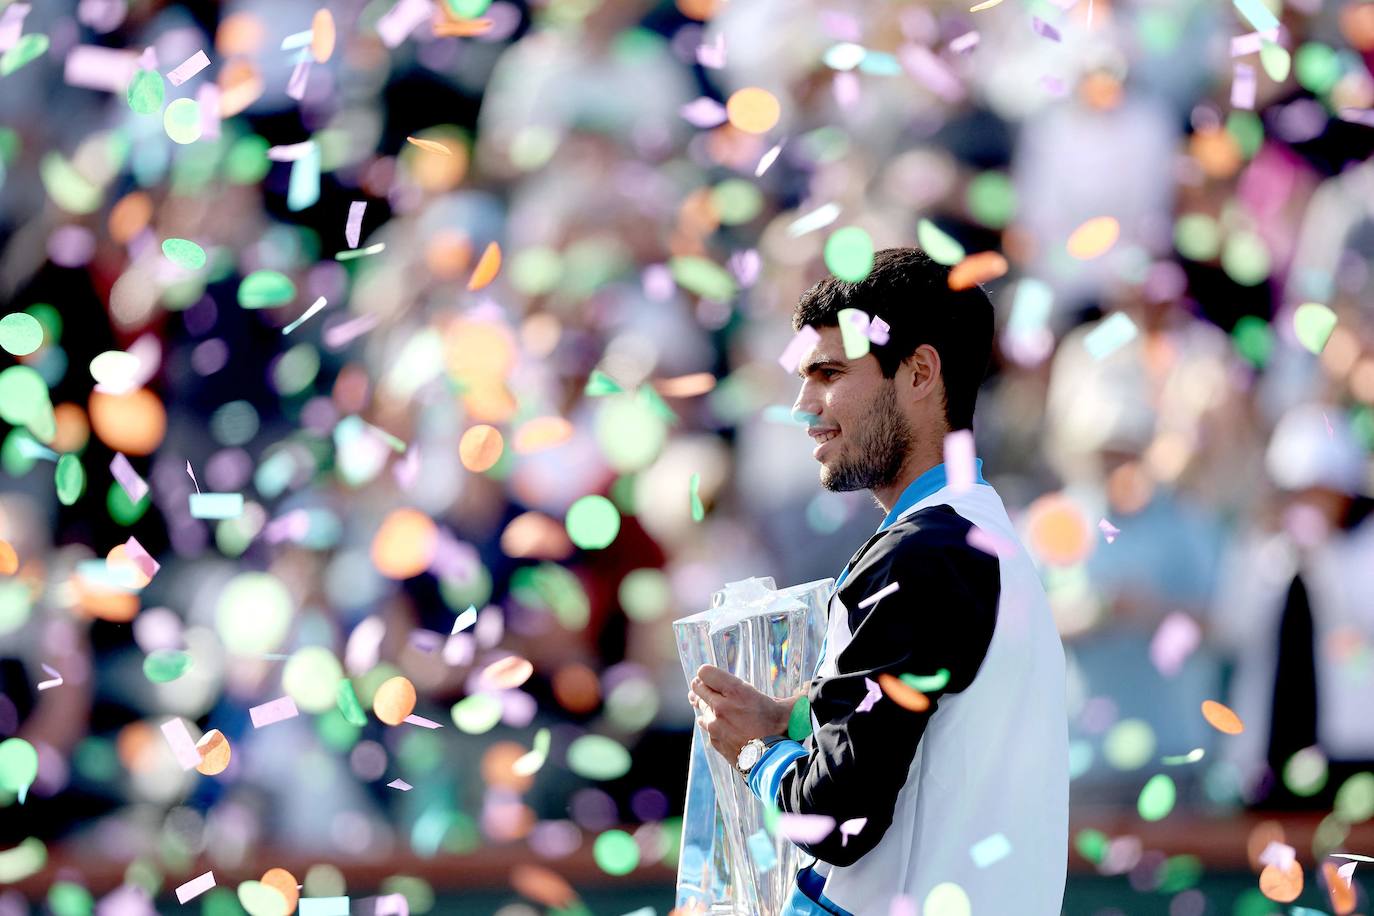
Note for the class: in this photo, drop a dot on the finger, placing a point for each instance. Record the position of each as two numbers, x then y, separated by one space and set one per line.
704 690
718 679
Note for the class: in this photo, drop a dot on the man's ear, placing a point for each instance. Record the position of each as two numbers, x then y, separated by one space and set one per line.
925 370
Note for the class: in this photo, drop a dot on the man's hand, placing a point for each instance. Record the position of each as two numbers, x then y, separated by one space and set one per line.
734 713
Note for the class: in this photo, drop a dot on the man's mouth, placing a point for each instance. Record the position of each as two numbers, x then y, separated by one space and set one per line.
822 437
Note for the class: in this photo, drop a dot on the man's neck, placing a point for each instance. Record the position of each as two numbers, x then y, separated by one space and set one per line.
917 463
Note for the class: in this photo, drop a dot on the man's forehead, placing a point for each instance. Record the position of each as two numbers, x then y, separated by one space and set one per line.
829 349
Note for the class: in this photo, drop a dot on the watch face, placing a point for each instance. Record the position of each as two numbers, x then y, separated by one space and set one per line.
748 756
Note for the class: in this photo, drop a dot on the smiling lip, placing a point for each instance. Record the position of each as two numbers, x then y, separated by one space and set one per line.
823 437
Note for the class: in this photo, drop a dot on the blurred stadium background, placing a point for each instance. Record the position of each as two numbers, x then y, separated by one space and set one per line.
478 304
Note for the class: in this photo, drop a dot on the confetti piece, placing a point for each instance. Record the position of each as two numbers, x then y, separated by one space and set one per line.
1351 856
216 505
853 332
487 267
530 762
309 313
753 110
141 558
188 68
181 121
184 253
465 620
1192 756
761 850
463 28
1222 718
965 42
767 160
297 40
195 887
302 192
1109 531
1044 29
1282 885
802 343
851 828
1176 638
394 700
879 595
875 693
340 335
712 56
12 24
906 697
1157 798
878 331
941 247
849 254
274 711
397 24
1279 855
1363 116
291 151
805 828
1093 238
300 75
354 227
922 65
960 470
505 674
182 744
322 35
1251 42
990 542
990 850
1243 87
361 252
27 49
430 146
324 906
977 268
69 480
1313 324
985 5
1110 335
20 334
267 288
1347 873
818 218
929 682
703 112
694 497
1258 15
399 784
55 679
146 92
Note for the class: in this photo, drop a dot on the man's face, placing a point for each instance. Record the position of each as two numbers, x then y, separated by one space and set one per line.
862 436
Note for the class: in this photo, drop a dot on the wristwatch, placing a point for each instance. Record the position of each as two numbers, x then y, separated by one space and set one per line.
752 753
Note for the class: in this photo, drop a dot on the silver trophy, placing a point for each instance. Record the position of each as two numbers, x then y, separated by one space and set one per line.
770 638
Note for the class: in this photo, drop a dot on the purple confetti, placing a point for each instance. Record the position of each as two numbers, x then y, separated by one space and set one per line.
141 558
801 344
134 486
712 56
295 87
1252 42
923 66
703 112
1044 29
841 26
399 784
54 674
12 24
1109 531
850 828
875 693
354 227
195 887
102 69
745 266
878 331
340 335
182 744
1363 116
277 710
846 88
767 161
990 542
292 526
805 828
207 97
402 19
1280 855
1175 639
1243 87
421 721
188 68
965 42
959 459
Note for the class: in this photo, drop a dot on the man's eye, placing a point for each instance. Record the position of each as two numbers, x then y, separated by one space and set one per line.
829 373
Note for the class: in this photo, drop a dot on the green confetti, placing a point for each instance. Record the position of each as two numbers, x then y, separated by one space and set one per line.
799 722
18 764
928 683
22 52
1258 14
356 252
598 757
592 522
849 254
1276 61
146 92
164 665
941 247
309 677
853 332
1129 744
24 401
68 188
266 289
347 701
704 277
1157 798
20 334
467 9
1313 324
600 384
1305 773
477 714
1092 845
266 626
261 899
69 479
181 121
616 852
18 863
1354 802
694 494
1253 339
651 399
184 253
1318 67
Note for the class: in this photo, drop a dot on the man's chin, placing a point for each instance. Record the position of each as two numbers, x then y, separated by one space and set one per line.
838 482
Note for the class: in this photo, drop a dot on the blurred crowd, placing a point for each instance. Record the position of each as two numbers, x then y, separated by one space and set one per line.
573 276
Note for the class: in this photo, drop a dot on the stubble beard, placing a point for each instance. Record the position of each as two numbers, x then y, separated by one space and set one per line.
876 451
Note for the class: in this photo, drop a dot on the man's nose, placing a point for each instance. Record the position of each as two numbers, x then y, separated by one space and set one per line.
808 402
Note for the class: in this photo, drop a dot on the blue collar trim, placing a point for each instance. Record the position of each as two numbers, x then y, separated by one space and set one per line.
923 486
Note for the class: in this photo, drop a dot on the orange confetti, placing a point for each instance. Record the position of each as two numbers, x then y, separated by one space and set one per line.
487 267
321 48
463 28
132 423
508 673
753 110
9 559
394 700
1058 531
1222 718
480 448
1281 886
430 146
1340 891
284 883
543 886
535 536
405 543
541 433
686 386
118 560
240 85
903 695
1094 238
214 755
977 268
577 688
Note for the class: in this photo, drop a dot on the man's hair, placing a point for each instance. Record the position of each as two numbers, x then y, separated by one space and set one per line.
911 293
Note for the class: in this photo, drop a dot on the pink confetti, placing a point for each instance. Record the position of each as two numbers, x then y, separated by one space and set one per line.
396 25
195 887
712 56
1109 531
193 476
292 526
295 87
1251 42
801 344
141 558
12 24
1330 433
805 828
399 784
841 26
851 827
1044 29
1280 855
340 335
1177 636
275 711
103 69
965 42
703 112
188 68
1054 85
880 594
407 470
990 542
923 66
902 905
422 722
148 59
960 471
767 161
878 330
1347 873
207 97
657 282
745 265
875 693
392 905
182 744
354 227
1243 87
846 88
54 675
1363 116
291 152
134 486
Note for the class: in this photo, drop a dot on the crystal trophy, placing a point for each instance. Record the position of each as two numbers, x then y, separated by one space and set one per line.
771 639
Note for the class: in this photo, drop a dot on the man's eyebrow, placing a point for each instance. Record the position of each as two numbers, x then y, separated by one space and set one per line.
816 365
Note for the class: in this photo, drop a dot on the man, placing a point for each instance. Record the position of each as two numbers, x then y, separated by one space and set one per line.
952 785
